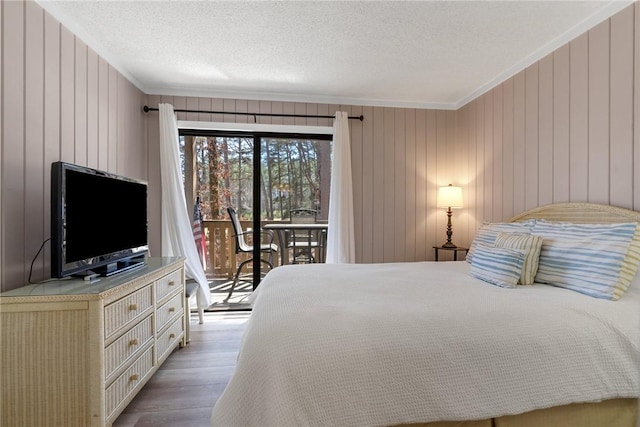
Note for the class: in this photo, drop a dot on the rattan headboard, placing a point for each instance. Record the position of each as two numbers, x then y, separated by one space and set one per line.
580 213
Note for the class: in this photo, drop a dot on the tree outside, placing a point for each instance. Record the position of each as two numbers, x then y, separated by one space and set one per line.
295 173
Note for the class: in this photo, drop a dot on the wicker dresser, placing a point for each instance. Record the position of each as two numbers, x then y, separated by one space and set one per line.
75 353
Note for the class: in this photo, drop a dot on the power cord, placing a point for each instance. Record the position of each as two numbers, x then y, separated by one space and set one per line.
35 257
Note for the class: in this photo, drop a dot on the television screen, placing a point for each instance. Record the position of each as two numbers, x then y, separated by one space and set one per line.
99 219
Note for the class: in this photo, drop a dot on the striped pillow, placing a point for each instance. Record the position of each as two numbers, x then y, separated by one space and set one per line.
498 266
489 231
530 244
598 260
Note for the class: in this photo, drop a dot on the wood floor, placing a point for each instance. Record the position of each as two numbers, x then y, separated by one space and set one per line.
184 389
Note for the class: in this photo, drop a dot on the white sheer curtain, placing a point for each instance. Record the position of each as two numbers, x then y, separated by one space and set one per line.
340 236
177 234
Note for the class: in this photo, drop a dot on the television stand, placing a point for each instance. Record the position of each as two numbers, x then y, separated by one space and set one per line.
75 354
119 267
87 276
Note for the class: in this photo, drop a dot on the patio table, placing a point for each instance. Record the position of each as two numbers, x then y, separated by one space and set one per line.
282 228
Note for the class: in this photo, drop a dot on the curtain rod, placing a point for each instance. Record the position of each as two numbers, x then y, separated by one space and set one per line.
147 109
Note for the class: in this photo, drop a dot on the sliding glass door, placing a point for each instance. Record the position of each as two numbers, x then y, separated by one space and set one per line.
263 177
295 173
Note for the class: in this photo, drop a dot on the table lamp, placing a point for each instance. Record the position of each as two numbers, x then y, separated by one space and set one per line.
449 197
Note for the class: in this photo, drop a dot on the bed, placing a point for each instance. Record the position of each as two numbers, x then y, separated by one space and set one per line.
427 344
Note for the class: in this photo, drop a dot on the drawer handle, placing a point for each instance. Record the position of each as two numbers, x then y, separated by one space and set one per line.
171 309
171 336
133 341
171 283
133 307
134 377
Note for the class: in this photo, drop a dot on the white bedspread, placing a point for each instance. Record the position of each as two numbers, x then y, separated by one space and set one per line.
384 344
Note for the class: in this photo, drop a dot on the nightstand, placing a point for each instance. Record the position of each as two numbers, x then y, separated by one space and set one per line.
454 250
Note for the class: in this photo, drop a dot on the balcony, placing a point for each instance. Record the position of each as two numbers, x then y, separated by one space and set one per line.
222 260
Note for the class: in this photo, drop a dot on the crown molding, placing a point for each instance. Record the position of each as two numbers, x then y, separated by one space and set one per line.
293 97
596 18
80 33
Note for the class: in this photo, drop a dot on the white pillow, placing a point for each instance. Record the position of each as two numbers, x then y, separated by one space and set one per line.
598 260
530 244
488 232
498 266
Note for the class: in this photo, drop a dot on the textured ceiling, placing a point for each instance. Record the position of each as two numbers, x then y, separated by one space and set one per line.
423 54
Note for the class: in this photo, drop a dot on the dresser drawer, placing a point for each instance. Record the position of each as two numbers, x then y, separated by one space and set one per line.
126 383
169 311
120 313
118 352
168 284
169 338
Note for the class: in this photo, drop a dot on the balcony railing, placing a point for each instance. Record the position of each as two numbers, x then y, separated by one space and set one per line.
222 260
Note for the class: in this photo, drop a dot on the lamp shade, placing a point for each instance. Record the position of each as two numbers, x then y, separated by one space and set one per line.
449 197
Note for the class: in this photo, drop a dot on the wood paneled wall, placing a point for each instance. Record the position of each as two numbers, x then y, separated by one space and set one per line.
399 157
60 101
565 129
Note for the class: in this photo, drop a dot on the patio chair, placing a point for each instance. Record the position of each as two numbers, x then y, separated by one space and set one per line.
243 247
303 243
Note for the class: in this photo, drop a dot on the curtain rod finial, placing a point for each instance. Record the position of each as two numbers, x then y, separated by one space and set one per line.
145 109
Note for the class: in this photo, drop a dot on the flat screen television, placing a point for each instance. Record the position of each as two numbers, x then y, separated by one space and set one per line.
98 221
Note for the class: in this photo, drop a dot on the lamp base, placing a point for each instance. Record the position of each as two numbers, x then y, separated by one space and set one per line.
449 245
